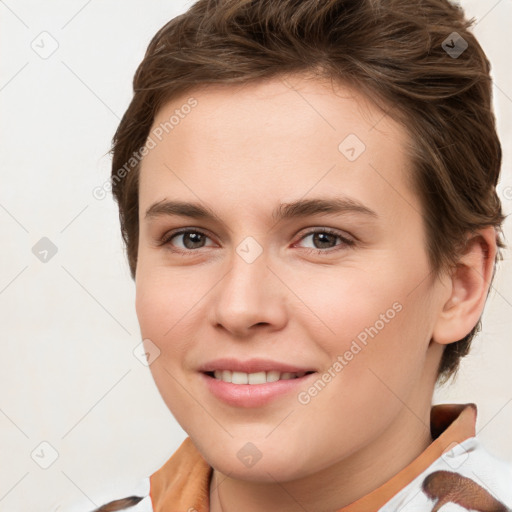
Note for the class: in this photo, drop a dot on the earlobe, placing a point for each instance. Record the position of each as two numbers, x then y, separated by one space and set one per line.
469 285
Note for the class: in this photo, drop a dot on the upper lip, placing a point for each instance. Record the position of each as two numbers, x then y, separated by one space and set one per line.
252 366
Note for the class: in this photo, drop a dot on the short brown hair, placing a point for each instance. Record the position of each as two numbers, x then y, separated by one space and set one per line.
396 51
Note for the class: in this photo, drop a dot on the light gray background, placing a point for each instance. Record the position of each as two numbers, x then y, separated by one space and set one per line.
68 373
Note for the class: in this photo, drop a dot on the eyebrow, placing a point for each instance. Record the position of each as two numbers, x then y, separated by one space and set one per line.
300 208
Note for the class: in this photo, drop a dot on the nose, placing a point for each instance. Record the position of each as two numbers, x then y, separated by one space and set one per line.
249 297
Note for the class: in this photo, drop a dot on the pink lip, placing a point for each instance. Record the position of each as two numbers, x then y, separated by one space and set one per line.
252 366
253 395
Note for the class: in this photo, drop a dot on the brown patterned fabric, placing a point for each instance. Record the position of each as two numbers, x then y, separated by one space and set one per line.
448 487
121 504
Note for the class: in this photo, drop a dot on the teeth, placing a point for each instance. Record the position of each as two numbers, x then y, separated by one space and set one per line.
255 378
239 378
273 376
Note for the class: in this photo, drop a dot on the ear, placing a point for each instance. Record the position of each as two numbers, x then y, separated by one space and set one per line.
469 284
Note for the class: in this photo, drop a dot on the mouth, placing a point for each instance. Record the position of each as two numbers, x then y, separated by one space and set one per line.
262 377
249 390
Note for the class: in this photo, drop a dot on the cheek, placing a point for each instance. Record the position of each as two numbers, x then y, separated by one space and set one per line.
158 314
162 299
162 319
369 380
376 321
149 306
170 313
347 301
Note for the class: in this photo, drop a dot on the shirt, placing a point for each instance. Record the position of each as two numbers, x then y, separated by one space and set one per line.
454 473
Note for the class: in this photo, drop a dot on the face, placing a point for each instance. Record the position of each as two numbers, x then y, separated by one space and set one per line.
337 285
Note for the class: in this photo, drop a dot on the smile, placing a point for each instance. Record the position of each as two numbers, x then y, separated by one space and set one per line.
256 389
235 377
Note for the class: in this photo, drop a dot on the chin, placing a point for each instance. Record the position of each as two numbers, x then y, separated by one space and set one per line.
242 459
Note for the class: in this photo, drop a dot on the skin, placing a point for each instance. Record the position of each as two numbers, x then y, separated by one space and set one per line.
242 151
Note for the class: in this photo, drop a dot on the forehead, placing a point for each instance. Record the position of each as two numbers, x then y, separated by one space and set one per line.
282 138
290 106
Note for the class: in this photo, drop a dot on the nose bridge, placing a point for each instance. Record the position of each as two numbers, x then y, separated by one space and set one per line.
248 293
247 278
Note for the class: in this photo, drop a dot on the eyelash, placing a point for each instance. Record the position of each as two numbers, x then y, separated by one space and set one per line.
166 239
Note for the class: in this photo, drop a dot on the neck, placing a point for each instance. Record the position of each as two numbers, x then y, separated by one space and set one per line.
335 486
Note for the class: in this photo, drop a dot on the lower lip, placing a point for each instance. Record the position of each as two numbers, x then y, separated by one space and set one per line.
252 395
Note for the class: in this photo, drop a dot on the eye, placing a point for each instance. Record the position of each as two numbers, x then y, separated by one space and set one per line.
195 239
191 239
326 239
